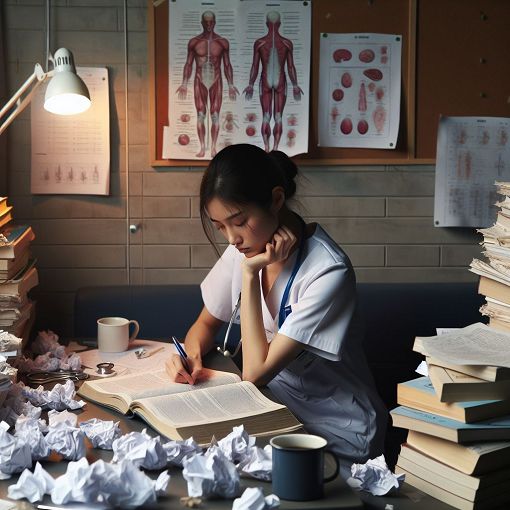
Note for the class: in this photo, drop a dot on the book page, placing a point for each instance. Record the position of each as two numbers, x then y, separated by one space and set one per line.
477 344
209 405
148 384
481 268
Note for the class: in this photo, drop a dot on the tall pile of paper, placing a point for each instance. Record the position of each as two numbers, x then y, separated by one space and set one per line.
18 275
458 417
494 274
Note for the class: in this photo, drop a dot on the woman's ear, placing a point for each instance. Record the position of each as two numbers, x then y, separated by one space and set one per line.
278 199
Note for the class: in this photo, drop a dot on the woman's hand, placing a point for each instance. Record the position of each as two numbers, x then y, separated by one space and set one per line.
177 371
276 251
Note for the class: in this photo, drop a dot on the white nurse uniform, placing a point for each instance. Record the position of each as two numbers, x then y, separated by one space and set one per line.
329 387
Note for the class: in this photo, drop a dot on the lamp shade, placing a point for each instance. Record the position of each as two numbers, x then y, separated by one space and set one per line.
66 93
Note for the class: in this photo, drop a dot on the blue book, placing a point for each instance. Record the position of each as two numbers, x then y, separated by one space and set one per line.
12 232
497 429
18 239
420 394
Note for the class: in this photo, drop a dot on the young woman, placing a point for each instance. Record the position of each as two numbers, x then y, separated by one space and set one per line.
300 331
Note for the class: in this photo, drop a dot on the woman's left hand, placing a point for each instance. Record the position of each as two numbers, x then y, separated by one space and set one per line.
276 251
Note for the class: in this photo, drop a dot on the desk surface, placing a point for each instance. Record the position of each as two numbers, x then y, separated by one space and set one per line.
337 494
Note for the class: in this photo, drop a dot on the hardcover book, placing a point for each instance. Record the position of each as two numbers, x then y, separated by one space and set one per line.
496 429
419 394
492 500
18 239
179 411
473 458
453 386
474 482
485 372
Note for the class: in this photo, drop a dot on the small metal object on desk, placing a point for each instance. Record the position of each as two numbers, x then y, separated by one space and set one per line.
105 368
45 377
142 352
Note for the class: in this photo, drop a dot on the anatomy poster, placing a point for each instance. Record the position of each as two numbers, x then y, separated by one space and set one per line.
359 90
71 153
472 153
239 72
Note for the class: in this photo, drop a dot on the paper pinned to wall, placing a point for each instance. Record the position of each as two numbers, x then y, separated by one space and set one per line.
472 153
359 90
238 72
71 154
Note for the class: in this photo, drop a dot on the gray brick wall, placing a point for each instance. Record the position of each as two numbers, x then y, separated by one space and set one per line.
381 215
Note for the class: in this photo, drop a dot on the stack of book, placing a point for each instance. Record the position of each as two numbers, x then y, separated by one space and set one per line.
494 273
458 445
18 275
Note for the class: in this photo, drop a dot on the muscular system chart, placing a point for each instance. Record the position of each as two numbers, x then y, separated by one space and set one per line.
238 72
359 90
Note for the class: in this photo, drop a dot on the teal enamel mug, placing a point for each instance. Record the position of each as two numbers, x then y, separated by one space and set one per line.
298 466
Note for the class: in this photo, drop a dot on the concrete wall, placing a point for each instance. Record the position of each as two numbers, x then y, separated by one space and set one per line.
381 215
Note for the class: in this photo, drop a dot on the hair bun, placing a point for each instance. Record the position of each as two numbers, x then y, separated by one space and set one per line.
289 171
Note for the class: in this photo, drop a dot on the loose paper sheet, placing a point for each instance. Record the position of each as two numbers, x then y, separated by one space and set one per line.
472 153
71 153
474 345
359 90
127 360
272 65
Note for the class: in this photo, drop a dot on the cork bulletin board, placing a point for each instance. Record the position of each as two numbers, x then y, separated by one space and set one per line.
454 62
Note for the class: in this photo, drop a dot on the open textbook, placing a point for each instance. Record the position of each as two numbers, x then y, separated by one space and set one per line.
179 411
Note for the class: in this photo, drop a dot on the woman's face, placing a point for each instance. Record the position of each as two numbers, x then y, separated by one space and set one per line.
247 227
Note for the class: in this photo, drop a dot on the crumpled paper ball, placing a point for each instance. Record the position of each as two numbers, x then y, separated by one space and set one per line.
375 477
140 448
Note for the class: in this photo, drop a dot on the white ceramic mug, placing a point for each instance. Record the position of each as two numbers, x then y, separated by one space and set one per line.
113 333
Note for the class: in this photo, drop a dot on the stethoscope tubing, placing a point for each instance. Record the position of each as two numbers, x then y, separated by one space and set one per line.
281 314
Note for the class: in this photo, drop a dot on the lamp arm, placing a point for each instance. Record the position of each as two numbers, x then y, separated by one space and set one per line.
22 102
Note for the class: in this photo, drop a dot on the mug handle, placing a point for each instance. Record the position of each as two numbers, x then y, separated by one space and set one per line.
337 468
135 332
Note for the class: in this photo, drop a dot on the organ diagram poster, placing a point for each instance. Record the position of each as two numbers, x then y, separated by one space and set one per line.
359 90
472 153
239 72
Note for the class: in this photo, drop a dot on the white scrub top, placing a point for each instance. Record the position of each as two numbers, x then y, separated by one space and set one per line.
329 387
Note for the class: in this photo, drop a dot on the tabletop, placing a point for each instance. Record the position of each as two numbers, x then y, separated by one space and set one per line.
337 494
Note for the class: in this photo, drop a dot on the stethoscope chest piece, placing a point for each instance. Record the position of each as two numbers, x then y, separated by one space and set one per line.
105 368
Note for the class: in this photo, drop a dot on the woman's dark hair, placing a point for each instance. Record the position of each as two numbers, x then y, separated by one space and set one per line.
245 174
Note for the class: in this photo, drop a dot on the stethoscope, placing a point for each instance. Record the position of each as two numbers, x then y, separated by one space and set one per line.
283 313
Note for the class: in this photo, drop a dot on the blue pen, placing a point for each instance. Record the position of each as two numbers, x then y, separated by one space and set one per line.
182 353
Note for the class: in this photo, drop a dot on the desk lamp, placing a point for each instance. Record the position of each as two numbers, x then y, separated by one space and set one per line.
66 93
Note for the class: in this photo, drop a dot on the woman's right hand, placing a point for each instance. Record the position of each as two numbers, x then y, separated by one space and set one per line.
177 371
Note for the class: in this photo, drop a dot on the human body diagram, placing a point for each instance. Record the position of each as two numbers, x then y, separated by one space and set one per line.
237 43
208 51
273 52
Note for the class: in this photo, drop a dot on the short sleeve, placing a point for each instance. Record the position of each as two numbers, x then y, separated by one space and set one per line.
324 312
217 286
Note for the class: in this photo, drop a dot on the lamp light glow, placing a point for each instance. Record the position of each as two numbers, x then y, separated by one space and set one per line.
66 93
